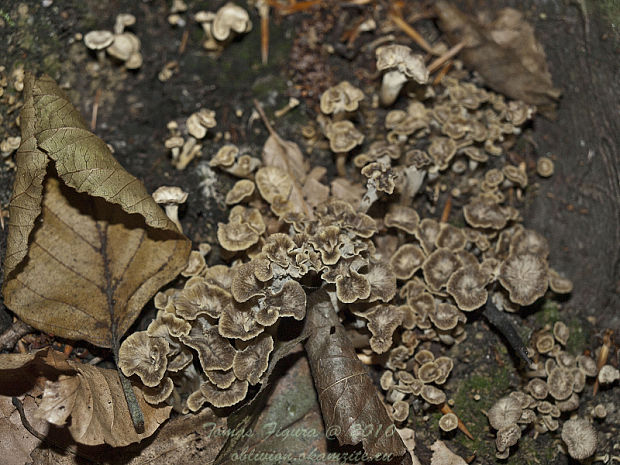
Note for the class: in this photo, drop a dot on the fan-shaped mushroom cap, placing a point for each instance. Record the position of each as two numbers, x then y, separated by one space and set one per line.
155 395
273 182
230 18
144 356
524 276
507 436
482 212
448 422
343 136
199 122
402 217
537 388
559 284
340 98
201 298
467 287
98 40
544 167
580 438
401 410
382 322
402 58
545 343
608 374
442 150
560 382
450 237
505 412
493 177
224 397
516 175
214 351
225 156
438 267
123 46
433 395
406 261
238 323
250 363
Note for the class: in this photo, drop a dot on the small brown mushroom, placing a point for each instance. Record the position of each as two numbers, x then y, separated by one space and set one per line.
171 197
406 261
448 422
230 19
144 356
341 98
467 287
524 276
224 397
401 410
579 437
438 267
403 65
239 192
544 167
250 363
504 413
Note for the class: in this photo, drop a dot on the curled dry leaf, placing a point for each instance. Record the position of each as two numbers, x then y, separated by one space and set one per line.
91 396
349 400
505 52
87 245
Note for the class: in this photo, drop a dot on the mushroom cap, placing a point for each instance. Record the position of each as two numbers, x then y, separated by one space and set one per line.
467 286
224 397
439 267
382 322
407 259
170 195
144 356
242 189
343 136
123 46
340 98
225 156
580 438
402 58
402 217
230 18
544 167
98 40
505 412
448 422
250 363
524 276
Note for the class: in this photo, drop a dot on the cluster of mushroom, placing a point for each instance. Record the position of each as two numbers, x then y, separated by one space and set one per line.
557 379
201 321
183 138
121 45
223 26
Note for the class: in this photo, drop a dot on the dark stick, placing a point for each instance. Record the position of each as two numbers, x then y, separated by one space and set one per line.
502 323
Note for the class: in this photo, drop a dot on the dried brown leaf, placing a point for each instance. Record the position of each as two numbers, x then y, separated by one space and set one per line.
87 245
91 396
505 52
350 404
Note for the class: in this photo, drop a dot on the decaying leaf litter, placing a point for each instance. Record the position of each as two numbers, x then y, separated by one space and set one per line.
380 176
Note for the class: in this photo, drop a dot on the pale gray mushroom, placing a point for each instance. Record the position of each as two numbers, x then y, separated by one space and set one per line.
170 197
402 65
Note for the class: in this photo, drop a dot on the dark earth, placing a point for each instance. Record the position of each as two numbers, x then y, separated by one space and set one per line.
577 209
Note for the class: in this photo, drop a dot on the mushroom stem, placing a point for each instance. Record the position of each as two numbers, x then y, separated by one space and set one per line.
172 211
391 85
501 322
